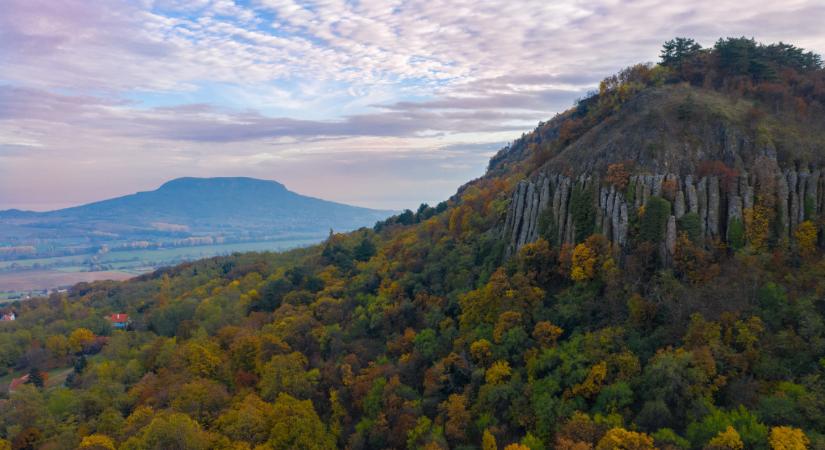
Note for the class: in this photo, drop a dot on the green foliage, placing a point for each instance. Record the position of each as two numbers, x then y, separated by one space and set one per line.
426 342
676 51
666 436
689 223
753 433
287 374
653 222
548 228
742 56
532 442
736 234
810 207
167 431
674 389
364 250
583 211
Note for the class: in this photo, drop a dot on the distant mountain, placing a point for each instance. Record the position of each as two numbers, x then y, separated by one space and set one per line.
233 208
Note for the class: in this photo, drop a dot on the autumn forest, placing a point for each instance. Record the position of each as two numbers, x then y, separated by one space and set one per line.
644 270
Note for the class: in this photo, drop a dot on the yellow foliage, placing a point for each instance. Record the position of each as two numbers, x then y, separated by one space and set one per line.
58 345
498 372
583 264
757 225
80 338
625 365
481 351
516 447
728 440
488 441
201 361
788 438
506 321
621 439
593 383
5 445
501 293
805 235
97 442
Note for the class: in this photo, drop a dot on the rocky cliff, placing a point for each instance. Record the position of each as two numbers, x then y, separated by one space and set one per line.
546 204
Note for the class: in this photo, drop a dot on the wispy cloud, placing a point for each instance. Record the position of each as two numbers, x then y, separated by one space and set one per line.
376 102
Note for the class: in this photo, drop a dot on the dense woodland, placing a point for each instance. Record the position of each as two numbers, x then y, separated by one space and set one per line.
420 333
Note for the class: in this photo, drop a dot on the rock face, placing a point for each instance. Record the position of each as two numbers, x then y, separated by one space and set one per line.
549 204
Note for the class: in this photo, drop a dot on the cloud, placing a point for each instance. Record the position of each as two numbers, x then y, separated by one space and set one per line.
377 99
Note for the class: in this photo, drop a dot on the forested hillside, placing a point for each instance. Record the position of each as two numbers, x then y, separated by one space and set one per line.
644 270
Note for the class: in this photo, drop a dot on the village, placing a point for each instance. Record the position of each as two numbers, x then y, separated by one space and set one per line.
40 378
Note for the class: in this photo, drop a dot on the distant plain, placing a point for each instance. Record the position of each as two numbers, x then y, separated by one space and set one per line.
26 275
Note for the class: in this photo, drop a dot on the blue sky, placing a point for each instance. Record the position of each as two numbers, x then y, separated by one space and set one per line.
376 103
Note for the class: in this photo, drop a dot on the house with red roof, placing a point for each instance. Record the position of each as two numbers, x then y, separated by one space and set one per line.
8 317
17 382
119 321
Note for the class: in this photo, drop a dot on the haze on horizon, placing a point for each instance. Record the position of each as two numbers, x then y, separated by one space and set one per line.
372 103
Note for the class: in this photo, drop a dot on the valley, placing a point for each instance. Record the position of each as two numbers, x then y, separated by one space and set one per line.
24 278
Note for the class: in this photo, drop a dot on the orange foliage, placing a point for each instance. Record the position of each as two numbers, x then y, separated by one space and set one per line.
669 189
619 174
726 175
546 334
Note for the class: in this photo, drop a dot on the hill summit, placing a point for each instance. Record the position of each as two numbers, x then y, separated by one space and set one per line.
203 203
184 210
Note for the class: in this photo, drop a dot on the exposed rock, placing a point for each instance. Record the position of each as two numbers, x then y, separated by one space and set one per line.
692 198
609 222
717 209
670 235
812 192
679 204
562 223
623 223
647 184
656 187
639 194
734 212
747 197
782 205
713 206
794 211
702 193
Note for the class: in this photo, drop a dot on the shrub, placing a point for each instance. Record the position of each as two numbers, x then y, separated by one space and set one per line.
654 220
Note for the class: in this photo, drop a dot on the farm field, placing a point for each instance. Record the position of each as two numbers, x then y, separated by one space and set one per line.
30 280
31 275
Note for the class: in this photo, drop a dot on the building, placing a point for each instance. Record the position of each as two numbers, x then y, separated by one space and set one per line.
8 317
119 321
17 382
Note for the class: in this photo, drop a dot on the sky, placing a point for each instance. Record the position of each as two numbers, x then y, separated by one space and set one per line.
384 104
